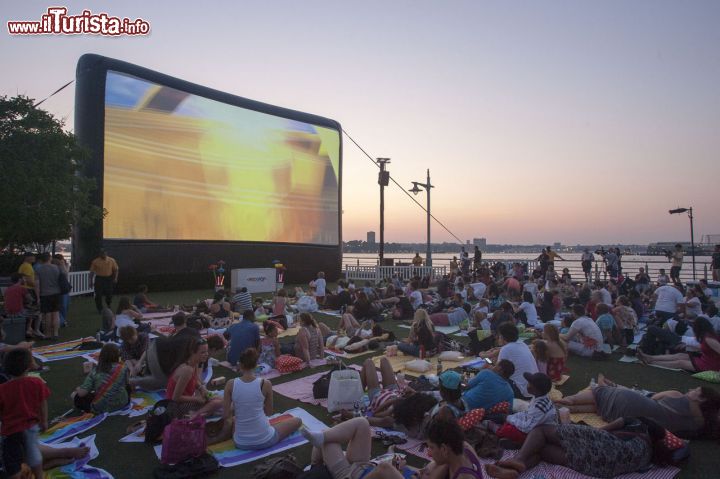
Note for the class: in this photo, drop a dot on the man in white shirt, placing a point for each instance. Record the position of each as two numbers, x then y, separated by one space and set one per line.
584 337
518 353
668 299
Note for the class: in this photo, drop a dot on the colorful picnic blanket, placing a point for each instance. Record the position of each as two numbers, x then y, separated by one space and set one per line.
65 350
79 469
228 455
70 427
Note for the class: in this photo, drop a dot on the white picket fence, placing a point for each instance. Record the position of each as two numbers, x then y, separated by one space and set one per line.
376 272
80 281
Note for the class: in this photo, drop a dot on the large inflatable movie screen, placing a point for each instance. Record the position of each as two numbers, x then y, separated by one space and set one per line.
183 167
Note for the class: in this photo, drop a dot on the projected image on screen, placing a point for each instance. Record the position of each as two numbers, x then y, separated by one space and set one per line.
183 167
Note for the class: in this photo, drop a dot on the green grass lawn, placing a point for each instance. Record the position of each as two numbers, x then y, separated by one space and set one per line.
138 460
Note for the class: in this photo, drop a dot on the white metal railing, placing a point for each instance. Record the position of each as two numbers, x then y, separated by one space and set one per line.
376 272
80 281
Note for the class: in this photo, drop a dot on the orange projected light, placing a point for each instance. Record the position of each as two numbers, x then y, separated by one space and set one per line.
183 167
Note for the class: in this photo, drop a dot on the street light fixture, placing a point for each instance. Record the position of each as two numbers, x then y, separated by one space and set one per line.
383 181
689 211
415 190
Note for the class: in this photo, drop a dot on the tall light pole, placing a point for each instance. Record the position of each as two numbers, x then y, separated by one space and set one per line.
415 190
383 181
692 231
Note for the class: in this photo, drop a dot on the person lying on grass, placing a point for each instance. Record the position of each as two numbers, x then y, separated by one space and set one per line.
605 453
688 415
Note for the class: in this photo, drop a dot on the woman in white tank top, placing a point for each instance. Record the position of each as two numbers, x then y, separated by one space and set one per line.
251 400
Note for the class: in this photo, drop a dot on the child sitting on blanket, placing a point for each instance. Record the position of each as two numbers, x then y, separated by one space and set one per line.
24 413
269 345
540 411
107 387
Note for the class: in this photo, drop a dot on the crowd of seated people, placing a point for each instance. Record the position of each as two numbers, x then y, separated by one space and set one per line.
524 323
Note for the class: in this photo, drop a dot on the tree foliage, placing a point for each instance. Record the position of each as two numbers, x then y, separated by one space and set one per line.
42 195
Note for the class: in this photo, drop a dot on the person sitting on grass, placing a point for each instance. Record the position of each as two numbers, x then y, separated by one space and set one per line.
269 344
242 335
708 360
422 335
184 385
452 457
516 351
587 450
555 352
584 338
141 300
247 403
451 404
540 411
23 413
606 322
310 344
106 388
490 386
625 320
133 349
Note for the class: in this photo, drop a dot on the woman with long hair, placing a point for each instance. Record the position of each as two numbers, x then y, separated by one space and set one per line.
247 403
309 344
556 352
126 308
422 335
184 386
106 388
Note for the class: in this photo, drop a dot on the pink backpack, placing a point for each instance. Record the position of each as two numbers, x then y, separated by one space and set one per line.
183 439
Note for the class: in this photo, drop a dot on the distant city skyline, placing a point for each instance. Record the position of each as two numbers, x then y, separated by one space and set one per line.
580 122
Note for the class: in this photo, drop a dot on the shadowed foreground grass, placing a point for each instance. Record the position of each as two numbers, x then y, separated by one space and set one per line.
134 460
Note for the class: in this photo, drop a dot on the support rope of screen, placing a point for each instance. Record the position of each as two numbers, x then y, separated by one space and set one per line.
402 189
54 93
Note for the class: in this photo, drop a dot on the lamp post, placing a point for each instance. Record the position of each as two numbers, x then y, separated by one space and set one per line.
415 190
692 232
383 181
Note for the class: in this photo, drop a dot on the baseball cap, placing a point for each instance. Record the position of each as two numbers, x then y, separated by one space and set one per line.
541 382
450 379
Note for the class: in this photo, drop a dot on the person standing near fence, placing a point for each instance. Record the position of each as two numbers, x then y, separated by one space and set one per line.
586 260
104 271
716 263
676 261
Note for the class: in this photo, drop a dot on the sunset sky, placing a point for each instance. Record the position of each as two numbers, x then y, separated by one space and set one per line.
540 121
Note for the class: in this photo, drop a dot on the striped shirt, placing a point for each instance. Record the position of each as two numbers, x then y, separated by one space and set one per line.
540 411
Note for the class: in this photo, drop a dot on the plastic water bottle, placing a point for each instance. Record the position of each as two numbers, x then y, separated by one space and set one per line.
439 367
356 406
593 383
